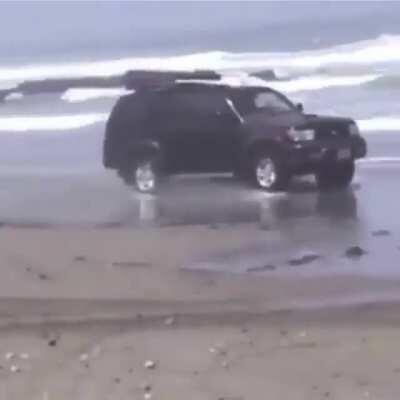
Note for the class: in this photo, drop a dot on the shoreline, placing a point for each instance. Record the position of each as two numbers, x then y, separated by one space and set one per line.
196 265
135 315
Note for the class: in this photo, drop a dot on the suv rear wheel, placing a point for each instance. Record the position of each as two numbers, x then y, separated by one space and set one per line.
269 172
336 175
144 176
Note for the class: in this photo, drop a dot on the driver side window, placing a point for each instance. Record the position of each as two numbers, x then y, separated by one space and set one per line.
266 100
202 104
180 108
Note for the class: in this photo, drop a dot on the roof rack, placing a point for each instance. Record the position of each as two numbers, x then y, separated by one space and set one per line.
143 79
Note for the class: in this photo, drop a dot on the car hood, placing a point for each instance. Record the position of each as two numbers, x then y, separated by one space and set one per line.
293 119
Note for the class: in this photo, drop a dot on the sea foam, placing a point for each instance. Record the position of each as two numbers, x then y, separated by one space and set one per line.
49 123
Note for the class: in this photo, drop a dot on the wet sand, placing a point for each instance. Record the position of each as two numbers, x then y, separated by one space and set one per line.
284 225
263 281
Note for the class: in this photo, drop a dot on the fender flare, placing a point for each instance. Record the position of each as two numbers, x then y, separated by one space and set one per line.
145 148
260 144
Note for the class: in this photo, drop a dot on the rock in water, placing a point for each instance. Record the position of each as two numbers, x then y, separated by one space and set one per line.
266 74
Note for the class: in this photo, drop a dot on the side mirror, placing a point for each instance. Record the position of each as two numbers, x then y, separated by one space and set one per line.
300 107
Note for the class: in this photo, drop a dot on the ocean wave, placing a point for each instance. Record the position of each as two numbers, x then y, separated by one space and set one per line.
321 82
306 83
49 123
379 124
391 81
302 84
379 160
76 121
14 96
385 48
85 94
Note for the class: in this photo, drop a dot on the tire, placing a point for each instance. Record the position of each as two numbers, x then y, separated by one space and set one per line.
269 172
144 175
336 176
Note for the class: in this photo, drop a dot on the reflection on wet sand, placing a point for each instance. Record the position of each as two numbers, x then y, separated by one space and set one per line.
104 201
342 204
222 207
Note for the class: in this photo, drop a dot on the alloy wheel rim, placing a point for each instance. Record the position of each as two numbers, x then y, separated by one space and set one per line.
266 173
145 177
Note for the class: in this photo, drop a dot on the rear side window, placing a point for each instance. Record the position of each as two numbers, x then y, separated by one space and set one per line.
203 103
192 103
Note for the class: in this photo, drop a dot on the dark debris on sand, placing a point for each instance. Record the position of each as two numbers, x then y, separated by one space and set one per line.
381 232
304 259
80 259
262 268
355 252
131 264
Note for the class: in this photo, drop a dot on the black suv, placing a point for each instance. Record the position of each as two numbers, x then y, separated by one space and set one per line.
171 125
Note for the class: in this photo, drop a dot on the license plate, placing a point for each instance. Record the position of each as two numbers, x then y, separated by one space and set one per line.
343 154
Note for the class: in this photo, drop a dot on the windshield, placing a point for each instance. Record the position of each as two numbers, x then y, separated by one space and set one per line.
272 101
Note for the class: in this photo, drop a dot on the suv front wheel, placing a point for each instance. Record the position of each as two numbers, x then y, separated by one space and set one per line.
337 175
269 172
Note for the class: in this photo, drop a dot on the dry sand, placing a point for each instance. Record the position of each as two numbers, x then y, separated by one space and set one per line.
82 310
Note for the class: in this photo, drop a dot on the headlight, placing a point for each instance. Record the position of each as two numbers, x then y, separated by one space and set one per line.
301 135
353 129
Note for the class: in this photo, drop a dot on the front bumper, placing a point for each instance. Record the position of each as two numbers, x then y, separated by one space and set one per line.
306 157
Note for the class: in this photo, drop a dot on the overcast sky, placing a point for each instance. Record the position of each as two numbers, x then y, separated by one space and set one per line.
27 27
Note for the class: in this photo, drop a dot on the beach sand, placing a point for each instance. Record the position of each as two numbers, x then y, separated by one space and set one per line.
232 294
82 311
